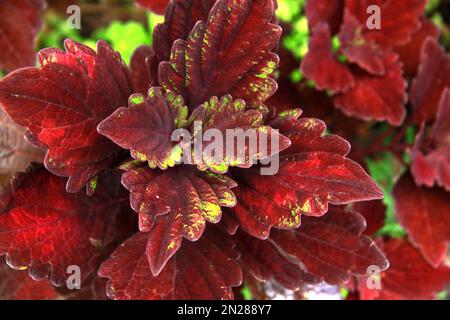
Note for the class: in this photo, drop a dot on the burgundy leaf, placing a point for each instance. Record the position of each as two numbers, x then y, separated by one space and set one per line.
203 270
434 167
313 172
423 212
321 65
46 230
374 212
19 26
376 98
146 127
141 75
365 53
157 6
183 198
263 261
432 79
410 53
409 276
62 102
180 18
17 285
330 12
399 19
226 115
230 54
332 247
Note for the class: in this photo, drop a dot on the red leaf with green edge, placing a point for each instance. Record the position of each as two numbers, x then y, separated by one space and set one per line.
399 19
146 127
19 26
423 212
331 247
15 152
62 102
365 53
432 79
227 115
141 73
17 285
266 263
203 270
45 229
322 66
434 167
157 6
376 98
180 18
175 204
330 12
409 276
230 54
410 52
313 172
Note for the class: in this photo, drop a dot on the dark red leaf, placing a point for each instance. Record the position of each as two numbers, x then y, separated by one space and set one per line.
146 127
141 75
264 262
399 19
204 270
46 230
330 12
230 54
62 103
365 53
376 98
17 285
410 52
157 6
313 172
434 167
226 114
184 198
374 212
409 276
423 212
180 18
433 77
19 26
321 65
331 247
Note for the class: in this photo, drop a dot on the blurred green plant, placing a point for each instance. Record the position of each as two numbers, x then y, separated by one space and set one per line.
291 12
123 36
385 170
55 31
246 293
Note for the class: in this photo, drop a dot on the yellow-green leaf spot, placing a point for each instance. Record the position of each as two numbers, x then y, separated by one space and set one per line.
211 211
306 207
171 245
93 183
136 100
228 200
140 156
292 113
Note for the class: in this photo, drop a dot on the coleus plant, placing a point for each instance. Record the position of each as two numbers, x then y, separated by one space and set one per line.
200 231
